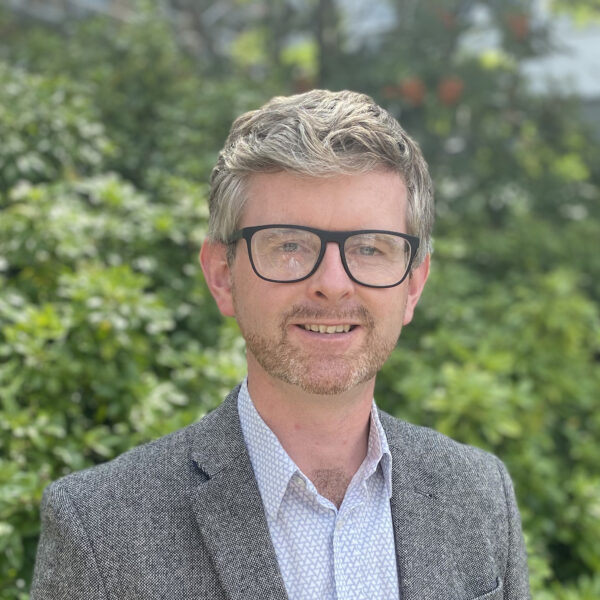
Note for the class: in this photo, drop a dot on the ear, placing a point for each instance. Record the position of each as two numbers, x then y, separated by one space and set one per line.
416 283
213 258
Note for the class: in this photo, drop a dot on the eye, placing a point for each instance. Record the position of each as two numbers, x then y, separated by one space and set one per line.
290 246
365 250
368 251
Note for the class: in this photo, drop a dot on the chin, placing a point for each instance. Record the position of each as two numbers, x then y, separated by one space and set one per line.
325 379
318 373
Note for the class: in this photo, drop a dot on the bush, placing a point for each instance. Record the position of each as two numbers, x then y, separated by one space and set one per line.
108 337
48 130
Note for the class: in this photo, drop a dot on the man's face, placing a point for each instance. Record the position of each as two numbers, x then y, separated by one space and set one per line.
273 317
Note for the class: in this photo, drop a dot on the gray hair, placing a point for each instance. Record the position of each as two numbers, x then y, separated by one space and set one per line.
319 133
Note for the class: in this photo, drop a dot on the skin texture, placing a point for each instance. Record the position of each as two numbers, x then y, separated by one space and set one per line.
314 390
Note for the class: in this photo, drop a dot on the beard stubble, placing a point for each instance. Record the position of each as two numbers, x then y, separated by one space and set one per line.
320 373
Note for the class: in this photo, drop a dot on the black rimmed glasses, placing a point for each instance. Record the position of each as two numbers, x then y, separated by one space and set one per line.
290 253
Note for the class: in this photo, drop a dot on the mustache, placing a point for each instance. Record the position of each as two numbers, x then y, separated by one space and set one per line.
299 312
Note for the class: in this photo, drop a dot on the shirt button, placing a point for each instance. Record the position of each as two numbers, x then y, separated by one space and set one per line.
300 481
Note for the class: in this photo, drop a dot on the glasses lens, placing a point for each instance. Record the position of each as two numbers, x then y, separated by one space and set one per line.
377 259
284 254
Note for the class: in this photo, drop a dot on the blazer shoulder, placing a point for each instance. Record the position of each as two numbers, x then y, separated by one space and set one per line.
160 464
438 453
140 464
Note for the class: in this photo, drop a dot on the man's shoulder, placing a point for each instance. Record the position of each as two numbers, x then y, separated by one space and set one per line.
169 462
150 466
434 453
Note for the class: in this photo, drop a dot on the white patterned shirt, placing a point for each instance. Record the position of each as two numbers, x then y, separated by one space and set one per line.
325 553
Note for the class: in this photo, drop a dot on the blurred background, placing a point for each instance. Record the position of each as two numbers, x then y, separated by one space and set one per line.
111 117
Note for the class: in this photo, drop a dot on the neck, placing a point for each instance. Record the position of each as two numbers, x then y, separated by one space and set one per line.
325 435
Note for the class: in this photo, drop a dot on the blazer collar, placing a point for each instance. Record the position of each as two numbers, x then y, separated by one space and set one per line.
230 513
229 509
415 512
436 547
232 521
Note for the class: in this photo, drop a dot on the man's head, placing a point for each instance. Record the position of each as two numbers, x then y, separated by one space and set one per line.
329 193
318 134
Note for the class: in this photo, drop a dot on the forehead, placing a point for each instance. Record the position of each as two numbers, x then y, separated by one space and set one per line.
373 200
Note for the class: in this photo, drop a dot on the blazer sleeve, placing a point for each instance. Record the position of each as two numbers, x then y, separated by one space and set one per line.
65 565
516 578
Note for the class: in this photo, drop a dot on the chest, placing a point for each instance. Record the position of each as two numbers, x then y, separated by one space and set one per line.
330 553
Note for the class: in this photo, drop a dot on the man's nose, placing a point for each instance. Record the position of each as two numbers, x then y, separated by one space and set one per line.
330 281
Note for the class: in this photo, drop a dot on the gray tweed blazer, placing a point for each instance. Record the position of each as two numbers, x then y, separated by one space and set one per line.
181 518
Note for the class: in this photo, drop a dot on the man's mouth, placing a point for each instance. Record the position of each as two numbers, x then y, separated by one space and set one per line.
328 328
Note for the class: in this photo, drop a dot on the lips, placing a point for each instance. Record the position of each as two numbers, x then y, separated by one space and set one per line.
345 328
336 320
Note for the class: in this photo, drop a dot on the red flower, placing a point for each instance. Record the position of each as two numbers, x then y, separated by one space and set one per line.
519 26
413 90
450 90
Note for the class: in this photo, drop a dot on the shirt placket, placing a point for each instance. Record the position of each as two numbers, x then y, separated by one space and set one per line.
346 544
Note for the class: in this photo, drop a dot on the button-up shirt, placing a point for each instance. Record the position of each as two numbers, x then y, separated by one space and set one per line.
325 552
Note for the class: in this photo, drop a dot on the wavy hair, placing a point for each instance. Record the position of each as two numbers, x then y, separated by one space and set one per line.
319 134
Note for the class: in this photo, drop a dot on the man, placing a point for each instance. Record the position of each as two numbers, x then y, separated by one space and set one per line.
296 486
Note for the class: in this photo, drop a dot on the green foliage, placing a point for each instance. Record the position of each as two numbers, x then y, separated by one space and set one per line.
504 351
586 588
108 336
154 103
583 11
42 121
514 370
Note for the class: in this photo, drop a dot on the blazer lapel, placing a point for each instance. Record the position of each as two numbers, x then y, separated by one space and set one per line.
443 513
229 509
420 521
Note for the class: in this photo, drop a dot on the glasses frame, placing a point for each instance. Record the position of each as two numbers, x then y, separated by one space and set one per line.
338 237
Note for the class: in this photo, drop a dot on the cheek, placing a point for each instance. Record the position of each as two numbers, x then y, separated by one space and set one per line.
257 303
393 311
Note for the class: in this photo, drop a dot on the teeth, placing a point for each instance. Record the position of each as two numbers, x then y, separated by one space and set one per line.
328 328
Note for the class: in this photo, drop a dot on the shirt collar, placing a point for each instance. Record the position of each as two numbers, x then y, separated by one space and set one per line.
273 468
378 452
